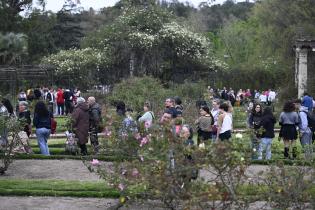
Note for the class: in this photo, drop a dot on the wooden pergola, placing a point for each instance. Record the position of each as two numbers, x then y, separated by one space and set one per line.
17 76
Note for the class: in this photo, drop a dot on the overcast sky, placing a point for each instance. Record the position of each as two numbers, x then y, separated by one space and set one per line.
56 5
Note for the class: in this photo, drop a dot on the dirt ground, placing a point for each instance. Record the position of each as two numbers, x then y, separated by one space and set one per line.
68 203
49 169
76 170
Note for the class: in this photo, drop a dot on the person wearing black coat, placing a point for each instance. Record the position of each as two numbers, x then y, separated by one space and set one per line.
268 122
255 123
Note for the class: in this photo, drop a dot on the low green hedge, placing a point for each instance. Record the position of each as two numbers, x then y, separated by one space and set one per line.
18 187
56 188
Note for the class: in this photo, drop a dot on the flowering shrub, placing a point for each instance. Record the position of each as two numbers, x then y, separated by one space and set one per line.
10 139
160 166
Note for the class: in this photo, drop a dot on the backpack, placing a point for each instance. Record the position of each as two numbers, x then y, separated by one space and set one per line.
310 120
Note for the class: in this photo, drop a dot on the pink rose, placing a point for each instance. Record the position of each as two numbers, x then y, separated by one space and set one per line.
141 158
95 162
121 187
144 141
147 124
135 172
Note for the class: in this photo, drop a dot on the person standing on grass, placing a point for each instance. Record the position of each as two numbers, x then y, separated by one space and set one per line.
42 123
68 96
25 114
204 125
215 113
148 116
3 132
305 130
9 107
80 117
307 101
224 123
170 105
254 123
60 101
95 114
288 121
50 97
268 122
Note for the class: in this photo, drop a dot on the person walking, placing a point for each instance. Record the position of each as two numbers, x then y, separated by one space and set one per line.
288 121
80 118
268 122
95 117
42 123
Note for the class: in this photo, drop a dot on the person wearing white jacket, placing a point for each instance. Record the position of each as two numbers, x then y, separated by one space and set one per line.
148 115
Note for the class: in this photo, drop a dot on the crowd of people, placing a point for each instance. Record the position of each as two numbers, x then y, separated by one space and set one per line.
59 102
215 121
266 97
85 116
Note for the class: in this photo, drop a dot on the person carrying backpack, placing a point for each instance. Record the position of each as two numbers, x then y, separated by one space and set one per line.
204 124
305 130
94 122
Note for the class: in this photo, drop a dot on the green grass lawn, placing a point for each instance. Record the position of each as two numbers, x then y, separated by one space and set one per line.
56 188
99 189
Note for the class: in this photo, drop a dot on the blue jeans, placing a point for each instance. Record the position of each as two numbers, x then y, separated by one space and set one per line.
265 143
306 141
3 137
42 138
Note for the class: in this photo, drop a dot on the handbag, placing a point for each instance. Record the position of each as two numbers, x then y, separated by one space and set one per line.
53 126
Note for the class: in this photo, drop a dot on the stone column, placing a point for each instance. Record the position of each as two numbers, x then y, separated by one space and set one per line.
302 72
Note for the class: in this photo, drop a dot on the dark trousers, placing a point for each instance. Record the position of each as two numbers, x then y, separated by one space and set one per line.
94 138
51 107
69 107
61 109
83 149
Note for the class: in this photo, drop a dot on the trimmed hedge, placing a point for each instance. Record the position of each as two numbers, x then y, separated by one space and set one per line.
56 188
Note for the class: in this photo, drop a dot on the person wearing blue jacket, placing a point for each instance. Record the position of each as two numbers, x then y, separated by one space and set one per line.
307 101
304 129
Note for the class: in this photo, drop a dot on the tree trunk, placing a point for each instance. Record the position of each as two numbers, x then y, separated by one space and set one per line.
132 64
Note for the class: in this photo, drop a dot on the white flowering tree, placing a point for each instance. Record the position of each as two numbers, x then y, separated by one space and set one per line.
78 65
144 40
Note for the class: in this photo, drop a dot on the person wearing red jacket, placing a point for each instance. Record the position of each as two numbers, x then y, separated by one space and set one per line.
60 101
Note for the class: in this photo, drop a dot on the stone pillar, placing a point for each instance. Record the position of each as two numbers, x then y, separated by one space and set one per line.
302 72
